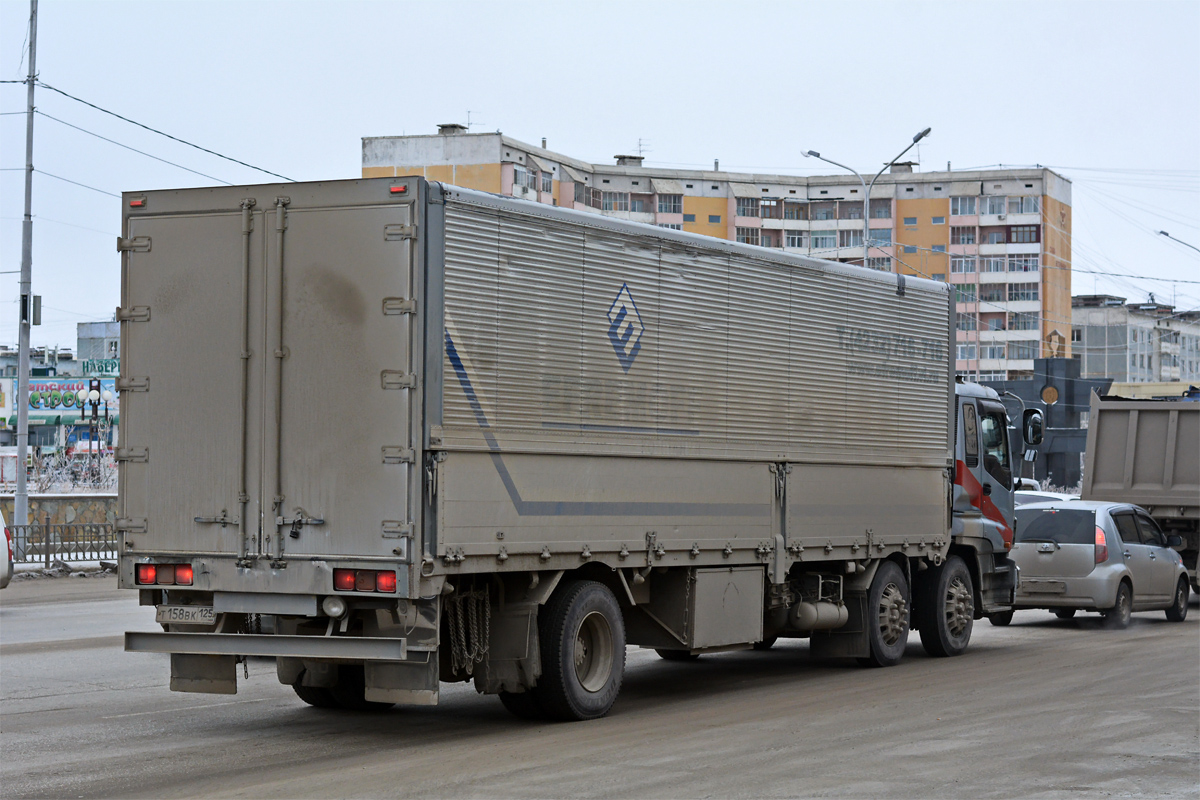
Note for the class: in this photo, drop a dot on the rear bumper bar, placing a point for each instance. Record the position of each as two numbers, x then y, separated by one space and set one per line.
247 644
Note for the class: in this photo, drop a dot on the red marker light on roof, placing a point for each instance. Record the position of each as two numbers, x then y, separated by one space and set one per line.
139 203
398 189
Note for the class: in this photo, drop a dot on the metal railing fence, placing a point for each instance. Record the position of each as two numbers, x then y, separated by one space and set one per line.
46 543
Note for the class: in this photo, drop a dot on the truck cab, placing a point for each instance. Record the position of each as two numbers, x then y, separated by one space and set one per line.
986 469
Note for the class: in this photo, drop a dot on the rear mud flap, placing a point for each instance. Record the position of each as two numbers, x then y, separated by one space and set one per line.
412 683
848 641
203 674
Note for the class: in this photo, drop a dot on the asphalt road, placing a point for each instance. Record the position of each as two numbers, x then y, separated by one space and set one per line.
1043 708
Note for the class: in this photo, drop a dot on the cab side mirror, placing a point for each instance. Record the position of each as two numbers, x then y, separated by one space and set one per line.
1032 425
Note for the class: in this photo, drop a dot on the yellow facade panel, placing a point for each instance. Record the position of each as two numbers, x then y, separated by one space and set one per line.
482 177
703 208
923 235
443 173
1056 278
378 172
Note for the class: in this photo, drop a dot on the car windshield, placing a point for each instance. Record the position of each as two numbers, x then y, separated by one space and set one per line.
1065 526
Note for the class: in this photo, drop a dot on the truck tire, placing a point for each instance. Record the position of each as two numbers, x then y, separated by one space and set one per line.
887 619
677 655
1000 618
766 644
946 611
1178 609
1064 613
523 705
582 637
315 696
350 689
1118 616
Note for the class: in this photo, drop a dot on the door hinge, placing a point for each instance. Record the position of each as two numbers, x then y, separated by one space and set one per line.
133 314
137 244
398 455
131 524
394 529
395 379
398 305
134 384
395 233
140 454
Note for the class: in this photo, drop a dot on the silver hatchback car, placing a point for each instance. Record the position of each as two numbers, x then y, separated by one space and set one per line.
1108 557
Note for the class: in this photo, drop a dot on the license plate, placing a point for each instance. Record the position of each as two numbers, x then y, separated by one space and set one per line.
1043 587
189 615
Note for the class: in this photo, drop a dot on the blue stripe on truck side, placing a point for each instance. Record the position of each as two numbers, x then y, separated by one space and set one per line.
573 508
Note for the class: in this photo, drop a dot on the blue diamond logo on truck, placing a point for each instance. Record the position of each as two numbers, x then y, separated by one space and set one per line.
625 327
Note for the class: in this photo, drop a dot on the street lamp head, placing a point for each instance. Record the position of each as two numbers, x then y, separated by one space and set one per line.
921 135
108 396
93 395
812 153
1162 233
82 395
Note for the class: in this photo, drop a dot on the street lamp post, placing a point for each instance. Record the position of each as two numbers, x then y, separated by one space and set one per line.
1173 239
867 187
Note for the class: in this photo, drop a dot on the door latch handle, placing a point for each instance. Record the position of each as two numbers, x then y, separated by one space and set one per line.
1153 557
1128 554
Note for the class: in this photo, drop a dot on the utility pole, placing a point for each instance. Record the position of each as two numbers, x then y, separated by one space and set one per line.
21 500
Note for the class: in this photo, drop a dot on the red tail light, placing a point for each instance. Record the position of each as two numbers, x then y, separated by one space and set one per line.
147 573
365 580
166 575
385 582
1101 546
163 574
343 580
183 575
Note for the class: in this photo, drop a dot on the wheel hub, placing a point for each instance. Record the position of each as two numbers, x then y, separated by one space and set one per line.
959 608
893 614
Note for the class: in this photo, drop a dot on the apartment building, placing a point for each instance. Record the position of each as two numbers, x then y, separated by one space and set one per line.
1135 342
1001 237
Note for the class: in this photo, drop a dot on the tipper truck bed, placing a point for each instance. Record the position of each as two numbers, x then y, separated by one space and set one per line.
394 433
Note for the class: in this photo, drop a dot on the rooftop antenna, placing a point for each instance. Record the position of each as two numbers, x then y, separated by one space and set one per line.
642 147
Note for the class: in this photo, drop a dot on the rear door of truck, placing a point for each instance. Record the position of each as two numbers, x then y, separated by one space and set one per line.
268 361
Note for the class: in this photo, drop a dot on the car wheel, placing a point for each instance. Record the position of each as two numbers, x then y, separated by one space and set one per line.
583 652
351 689
946 611
523 705
1118 616
1178 610
1000 618
1064 613
887 617
766 644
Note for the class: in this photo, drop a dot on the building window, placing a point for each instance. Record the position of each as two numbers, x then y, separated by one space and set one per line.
939 248
992 264
1023 321
674 226
992 205
962 235
823 211
1022 291
995 237
995 324
964 293
939 220
614 201
768 208
910 221
581 194
966 352
595 199
850 209
966 322
882 264
1023 350
747 206
881 209
747 235
910 248
823 240
962 264
1022 263
671 204
637 204
794 211
771 239
795 239
1023 234
1022 205
520 176
689 217
1076 336
714 219
962 206
850 238
991 292
939 276
881 237
547 182
991 351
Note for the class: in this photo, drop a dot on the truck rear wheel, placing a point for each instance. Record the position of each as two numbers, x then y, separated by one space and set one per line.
887 619
315 696
946 611
523 705
582 637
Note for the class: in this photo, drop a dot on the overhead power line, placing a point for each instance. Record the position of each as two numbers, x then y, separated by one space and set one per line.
77 183
134 149
160 133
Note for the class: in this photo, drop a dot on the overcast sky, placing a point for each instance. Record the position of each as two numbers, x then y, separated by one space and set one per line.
1105 93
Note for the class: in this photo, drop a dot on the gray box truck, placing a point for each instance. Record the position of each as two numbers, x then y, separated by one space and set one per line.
393 433
1148 452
